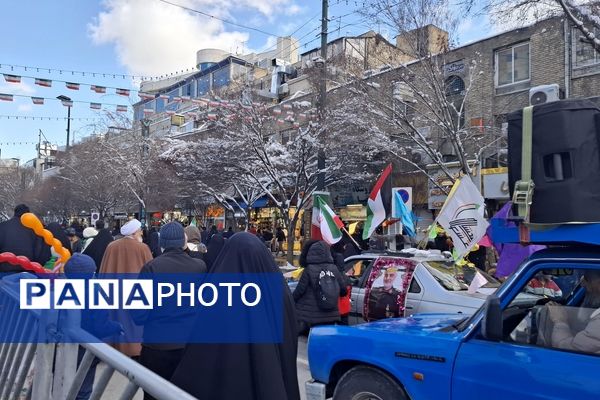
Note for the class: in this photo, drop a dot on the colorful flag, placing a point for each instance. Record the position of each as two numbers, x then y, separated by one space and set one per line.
212 116
121 108
43 82
37 100
177 99
185 98
72 85
328 223
148 111
6 97
379 204
164 97
12 78
122 92
95 106
98 89
462 216
404 215
146 96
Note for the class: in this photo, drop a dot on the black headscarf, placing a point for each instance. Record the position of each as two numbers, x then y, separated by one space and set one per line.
244 371
214 247
59 233
98 246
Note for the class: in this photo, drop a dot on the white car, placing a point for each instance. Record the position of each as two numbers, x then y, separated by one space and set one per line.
438 285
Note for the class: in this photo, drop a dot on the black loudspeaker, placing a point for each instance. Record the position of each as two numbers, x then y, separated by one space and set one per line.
565 161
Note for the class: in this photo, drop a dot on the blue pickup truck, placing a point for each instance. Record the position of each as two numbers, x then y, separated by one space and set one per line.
520 344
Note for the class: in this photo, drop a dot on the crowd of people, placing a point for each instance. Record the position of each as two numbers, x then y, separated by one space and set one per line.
224 371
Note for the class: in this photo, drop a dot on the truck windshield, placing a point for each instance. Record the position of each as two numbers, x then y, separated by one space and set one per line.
455 278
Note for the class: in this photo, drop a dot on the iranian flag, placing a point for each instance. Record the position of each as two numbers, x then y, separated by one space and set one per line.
37 100
43 82
6 97
72 85
95 106
326 222
379 205
98 89
121 108
12 78
122 92
146 96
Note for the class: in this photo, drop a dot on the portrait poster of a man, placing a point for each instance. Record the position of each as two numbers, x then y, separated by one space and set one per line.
386 289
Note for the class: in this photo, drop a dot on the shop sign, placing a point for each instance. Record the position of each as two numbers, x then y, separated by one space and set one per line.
437 197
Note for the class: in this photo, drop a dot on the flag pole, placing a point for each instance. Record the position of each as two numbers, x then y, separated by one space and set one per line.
351 238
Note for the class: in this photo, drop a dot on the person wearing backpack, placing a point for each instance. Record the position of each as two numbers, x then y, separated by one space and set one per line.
319 288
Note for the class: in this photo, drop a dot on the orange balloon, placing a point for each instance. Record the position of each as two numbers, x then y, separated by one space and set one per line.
56 244
48 236
31 221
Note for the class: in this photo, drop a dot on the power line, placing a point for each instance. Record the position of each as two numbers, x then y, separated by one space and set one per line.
41 118
220 19
73 101
79 83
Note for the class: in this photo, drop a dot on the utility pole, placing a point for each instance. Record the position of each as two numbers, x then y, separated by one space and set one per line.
322 92
68 125
145 136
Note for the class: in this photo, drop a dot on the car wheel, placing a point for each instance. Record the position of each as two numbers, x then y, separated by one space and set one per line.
368 383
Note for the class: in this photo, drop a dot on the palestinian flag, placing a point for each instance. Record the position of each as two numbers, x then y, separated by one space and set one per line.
98 89
72 85
122 92
43 82
95 106
326 222
379 205
37 100
6 97
12 78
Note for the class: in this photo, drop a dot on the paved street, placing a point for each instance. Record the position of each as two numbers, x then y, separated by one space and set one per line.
118 382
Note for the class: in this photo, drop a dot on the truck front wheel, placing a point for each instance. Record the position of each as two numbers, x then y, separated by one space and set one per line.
367 383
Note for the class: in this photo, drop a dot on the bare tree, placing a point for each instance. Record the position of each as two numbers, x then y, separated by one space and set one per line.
248 149
583 15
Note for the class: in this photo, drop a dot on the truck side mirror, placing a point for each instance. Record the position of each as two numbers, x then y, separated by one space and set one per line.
492 328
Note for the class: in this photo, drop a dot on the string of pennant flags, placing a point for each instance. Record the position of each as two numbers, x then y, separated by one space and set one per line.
26 68
44 118
69 85
17 143
66 103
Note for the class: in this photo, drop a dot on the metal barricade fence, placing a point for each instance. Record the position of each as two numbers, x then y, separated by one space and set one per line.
49 371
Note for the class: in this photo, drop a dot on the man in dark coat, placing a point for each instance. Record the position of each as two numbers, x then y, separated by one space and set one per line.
99 244
21 241
164 358
244 371
318 258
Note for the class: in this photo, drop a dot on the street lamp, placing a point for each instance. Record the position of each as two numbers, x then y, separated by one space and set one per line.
65 98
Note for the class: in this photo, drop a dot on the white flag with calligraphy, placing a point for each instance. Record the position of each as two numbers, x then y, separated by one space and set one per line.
462 216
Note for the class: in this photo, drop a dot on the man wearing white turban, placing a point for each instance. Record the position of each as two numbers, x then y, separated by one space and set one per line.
127 256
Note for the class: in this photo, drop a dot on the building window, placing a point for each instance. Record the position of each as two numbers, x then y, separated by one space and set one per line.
203 85
455 86
221 77
512 65
585 54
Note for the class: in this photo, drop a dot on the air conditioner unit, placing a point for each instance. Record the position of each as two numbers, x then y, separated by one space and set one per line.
544 94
